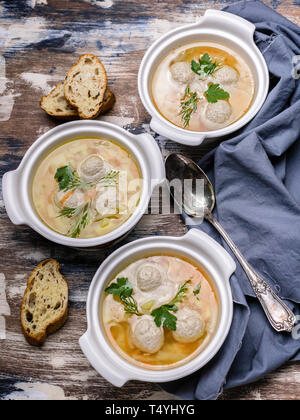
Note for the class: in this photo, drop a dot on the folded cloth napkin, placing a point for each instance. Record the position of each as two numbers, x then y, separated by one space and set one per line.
256 176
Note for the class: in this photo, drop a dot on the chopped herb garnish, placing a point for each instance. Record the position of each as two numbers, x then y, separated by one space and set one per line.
109 179
163 315
122 287
204 67
124 290
197 289
68 180
181 294
83 214
215 93
188 106
64 177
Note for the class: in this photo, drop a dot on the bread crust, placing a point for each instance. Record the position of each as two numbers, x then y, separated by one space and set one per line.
102 93
109 101
69 114
57 323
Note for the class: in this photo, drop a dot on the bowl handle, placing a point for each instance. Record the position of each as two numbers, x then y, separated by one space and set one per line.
100 362
10 185
154 156
197 236
182 138
241 27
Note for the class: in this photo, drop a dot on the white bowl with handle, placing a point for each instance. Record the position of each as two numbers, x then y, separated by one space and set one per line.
16 185
197 247
215 26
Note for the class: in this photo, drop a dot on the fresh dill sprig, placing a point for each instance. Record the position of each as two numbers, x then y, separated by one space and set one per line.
188 106
109 179
83 214
70 211
130 305
181 294
197 290
69 180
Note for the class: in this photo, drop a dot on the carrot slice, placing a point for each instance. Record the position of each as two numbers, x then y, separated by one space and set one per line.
65 197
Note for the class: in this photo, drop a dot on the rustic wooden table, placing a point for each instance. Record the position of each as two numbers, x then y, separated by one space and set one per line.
39 41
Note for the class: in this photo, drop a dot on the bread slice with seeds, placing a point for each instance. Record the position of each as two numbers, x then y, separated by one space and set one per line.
108 102
56 105
85 86
45 302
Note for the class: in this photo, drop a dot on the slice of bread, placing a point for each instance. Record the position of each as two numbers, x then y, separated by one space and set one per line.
108 102
56 105
85 86
45 303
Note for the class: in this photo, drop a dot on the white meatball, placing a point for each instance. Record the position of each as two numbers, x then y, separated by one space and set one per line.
189 327
146 336
182 72
92 168
226 75
218 112
198 86
76 199
113 310
148 277
107 201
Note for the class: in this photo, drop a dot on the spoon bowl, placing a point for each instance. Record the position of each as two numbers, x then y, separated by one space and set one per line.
197 196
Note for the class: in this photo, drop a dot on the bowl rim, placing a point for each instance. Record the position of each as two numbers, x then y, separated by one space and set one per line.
72 131
166 42
94 342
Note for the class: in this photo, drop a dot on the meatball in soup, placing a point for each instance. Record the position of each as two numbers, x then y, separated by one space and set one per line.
203 86
160 312
86 188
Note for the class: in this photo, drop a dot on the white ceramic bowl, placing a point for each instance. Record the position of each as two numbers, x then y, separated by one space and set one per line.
16 185
217 26
195 245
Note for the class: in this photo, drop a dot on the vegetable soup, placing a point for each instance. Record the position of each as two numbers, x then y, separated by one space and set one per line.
86 188
160 312
203 86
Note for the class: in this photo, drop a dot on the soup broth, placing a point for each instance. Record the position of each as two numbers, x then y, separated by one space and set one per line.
86 188
168 317
203 86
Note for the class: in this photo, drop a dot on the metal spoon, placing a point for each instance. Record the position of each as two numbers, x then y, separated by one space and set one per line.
178 167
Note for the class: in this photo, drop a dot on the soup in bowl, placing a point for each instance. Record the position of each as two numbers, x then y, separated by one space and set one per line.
84 184
159 308
203 86
87 187
160 312
204 80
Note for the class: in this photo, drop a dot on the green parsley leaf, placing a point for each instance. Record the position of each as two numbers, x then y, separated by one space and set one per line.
64 176
122 287
124 290
163 316
215 93
205 66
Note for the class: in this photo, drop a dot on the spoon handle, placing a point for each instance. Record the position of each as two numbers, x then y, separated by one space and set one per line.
278 313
